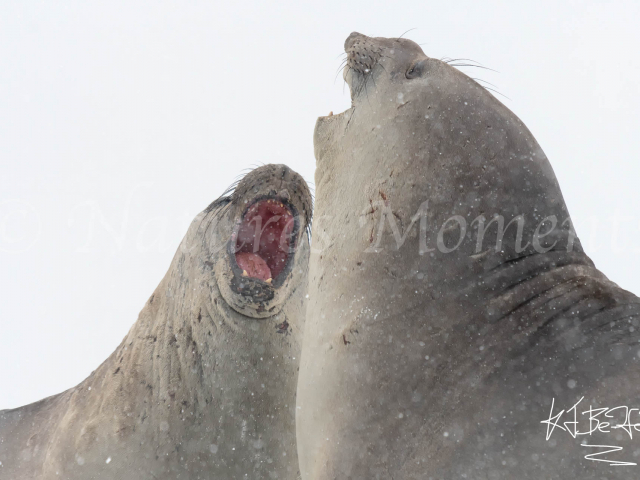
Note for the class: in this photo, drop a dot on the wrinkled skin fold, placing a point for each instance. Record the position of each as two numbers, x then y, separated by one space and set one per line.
203 385
425 356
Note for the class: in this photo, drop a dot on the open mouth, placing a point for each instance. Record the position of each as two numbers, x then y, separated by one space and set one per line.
347 75
264 239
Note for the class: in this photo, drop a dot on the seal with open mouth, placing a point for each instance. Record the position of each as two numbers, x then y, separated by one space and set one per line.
450 302
203 385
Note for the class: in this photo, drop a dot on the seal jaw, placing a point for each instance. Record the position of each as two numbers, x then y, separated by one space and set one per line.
255 271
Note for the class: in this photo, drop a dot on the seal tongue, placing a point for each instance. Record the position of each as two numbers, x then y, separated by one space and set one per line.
264 237
254 265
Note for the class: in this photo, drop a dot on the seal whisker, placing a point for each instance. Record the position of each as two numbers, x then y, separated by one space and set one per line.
351 89
340 69
482 80
488 88
373 80
449 60
364 85
495 91
345 80
353 112
382 67
471 65
411 29
214 219
218 202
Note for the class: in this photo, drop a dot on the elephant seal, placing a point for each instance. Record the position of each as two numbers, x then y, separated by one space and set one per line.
203 385
453 313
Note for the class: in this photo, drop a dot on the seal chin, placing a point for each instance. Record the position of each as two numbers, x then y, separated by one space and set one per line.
327 131
255 271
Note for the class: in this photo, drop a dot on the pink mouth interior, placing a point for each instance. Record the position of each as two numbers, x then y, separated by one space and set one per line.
264 237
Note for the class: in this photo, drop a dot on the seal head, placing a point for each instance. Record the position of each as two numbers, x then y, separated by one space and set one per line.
267 216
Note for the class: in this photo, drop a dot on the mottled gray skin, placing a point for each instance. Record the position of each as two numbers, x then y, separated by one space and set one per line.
420 364
196 390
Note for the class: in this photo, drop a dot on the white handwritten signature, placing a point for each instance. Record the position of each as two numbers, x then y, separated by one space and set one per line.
597 423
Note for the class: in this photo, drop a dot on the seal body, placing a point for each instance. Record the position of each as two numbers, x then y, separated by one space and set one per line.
451 303
203 385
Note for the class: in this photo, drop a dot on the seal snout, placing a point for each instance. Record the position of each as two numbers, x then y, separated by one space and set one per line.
363 55
351 39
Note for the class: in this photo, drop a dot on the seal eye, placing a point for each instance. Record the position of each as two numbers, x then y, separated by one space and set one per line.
415 70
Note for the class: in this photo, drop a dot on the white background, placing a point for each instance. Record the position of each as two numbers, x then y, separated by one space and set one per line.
120 122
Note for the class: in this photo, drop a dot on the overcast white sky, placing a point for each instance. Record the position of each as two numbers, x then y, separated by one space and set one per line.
120 122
